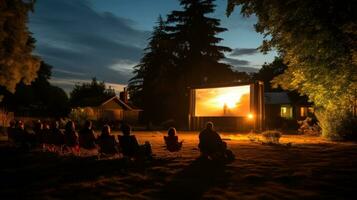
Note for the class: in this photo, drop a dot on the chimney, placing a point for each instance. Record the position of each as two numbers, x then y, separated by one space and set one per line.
124 95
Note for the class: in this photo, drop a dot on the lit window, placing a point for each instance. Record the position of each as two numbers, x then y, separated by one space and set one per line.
286 112
303 111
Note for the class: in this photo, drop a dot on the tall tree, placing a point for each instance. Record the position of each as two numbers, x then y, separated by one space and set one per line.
16 61
151 86
90 94
318 41
183 52
197 50
196 43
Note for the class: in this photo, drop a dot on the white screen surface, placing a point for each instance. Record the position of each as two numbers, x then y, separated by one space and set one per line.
223 101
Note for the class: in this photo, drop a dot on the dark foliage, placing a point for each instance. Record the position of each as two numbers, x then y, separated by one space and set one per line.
38 99
183 52
90 94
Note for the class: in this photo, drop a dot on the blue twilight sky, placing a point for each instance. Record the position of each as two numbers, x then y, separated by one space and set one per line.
82 39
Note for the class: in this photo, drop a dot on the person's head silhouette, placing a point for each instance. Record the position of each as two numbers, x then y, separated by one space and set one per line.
88 124
126 129
171 132
106 130
209 126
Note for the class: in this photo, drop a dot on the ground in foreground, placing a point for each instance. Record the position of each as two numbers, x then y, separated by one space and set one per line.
310 168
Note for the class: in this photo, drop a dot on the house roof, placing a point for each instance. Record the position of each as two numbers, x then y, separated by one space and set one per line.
119 101
276 98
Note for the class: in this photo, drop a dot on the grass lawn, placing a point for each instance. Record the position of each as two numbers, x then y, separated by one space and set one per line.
309 168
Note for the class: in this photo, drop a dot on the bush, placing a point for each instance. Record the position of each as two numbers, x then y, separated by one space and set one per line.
308 127
272 136
337 125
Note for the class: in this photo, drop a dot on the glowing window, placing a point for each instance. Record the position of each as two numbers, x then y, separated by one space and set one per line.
303 111
286 112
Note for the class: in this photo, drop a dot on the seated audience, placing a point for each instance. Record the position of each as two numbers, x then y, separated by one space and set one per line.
86 136
211 145
171 140
107 143
130 146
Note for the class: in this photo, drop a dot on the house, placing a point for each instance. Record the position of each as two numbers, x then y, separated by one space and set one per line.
284 107
112 109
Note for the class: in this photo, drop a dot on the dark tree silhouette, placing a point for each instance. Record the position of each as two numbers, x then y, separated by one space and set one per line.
183 52
40 98
196 43
269 71
152 85
90 94
194 35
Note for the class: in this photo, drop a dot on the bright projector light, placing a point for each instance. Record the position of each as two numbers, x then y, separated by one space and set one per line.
250 116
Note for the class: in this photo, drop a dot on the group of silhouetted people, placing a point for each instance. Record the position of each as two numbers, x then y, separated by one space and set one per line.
50 137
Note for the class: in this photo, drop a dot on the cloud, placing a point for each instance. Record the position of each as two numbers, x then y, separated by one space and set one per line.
236 62
240 65
82 43
243 51
67 84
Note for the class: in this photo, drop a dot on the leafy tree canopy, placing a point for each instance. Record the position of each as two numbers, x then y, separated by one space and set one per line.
90 94
40 98
318 41
16 61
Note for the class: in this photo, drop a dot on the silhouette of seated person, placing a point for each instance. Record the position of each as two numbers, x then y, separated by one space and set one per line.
86 136
22 137
130 146
171 140
47 134
57 134
70 135
107 143
11 131
211 145
38 130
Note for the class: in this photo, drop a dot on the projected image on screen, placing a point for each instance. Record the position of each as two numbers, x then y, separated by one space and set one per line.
224 101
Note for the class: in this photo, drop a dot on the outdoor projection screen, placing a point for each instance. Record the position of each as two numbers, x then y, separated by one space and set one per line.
222 102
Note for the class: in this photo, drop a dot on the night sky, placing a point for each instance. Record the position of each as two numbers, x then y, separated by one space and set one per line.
82 39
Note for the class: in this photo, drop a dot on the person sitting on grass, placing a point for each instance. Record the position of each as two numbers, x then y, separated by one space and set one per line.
70 137
23 138
107 143
38 130
86 137
47 140
212 147
57 136
171 140
11 131
130 147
